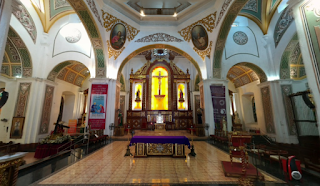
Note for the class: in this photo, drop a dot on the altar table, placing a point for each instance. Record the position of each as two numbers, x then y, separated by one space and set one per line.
160 145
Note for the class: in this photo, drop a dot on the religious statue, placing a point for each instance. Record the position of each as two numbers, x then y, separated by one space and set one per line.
236 118
138 94
199 115
181 94
3 97
120 118
224 124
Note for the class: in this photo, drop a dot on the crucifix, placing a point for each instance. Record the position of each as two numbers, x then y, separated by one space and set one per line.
159 79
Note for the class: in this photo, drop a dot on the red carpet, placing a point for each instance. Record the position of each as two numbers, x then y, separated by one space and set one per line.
235 170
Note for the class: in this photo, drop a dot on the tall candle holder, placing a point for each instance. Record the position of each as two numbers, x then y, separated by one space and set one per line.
128 153
192 153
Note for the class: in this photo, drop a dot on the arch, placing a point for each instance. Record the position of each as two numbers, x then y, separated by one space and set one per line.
70 71
291 65
17 61
244 73
223 34
93 32
149 47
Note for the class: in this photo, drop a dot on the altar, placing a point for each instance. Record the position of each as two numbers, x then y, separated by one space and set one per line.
159 127
160 146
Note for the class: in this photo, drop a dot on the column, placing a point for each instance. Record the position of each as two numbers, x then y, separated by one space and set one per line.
130 96
188 91
306 14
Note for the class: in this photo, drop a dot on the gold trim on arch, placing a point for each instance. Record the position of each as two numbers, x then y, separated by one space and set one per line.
149 47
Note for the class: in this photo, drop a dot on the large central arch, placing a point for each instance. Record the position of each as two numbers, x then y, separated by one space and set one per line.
149 47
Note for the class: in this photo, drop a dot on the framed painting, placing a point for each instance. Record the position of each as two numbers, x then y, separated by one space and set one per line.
17 127
118 36
199 37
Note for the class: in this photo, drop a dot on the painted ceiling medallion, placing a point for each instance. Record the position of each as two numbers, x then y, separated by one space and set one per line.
118 36
199 37
74 35
159 37
207 22
240 38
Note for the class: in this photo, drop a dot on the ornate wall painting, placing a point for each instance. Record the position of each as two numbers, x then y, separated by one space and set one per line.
317 30
199 37
46 110
118 36
267 110
22 101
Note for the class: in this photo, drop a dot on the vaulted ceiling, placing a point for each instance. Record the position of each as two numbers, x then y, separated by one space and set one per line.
261 12
241 75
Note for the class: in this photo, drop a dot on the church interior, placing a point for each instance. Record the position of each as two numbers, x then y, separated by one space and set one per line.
201 86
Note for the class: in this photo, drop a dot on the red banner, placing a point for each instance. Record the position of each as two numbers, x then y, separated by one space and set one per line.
98 106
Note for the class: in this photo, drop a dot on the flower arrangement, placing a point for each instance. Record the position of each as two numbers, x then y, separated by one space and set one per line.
58 139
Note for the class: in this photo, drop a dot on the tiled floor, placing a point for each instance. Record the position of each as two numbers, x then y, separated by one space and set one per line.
109 166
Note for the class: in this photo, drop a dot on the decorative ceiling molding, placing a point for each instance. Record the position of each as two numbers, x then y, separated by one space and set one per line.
110 20
113 52
158 37
204 53
60 4
223 9
94 10
282 25
24 17
208 22
241 75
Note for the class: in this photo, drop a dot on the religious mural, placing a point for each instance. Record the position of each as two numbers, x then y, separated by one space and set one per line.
118 36
199 37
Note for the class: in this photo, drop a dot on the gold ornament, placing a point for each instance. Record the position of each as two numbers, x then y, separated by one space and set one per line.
113 52
208 22
203 53
110 20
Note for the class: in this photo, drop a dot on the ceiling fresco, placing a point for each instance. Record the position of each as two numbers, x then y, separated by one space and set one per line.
241 75
261 12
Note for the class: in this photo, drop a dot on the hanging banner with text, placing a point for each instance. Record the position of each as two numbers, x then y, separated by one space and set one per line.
98 106
218 96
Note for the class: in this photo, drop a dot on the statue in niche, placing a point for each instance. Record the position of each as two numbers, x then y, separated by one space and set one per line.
138 95
199 115
236 118
224 124
181 94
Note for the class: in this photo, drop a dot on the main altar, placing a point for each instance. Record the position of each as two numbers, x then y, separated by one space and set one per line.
159 88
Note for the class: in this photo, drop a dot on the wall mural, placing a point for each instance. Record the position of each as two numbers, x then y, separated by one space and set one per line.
22 101
24 17
118 36
46 110
267 110
158 37
310 14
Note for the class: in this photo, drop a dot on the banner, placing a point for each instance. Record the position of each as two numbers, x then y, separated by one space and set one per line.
98 106
218 96
73 126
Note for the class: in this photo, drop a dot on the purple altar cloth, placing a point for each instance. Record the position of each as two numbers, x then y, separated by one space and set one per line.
161 139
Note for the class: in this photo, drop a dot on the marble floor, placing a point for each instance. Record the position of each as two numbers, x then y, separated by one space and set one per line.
109 166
